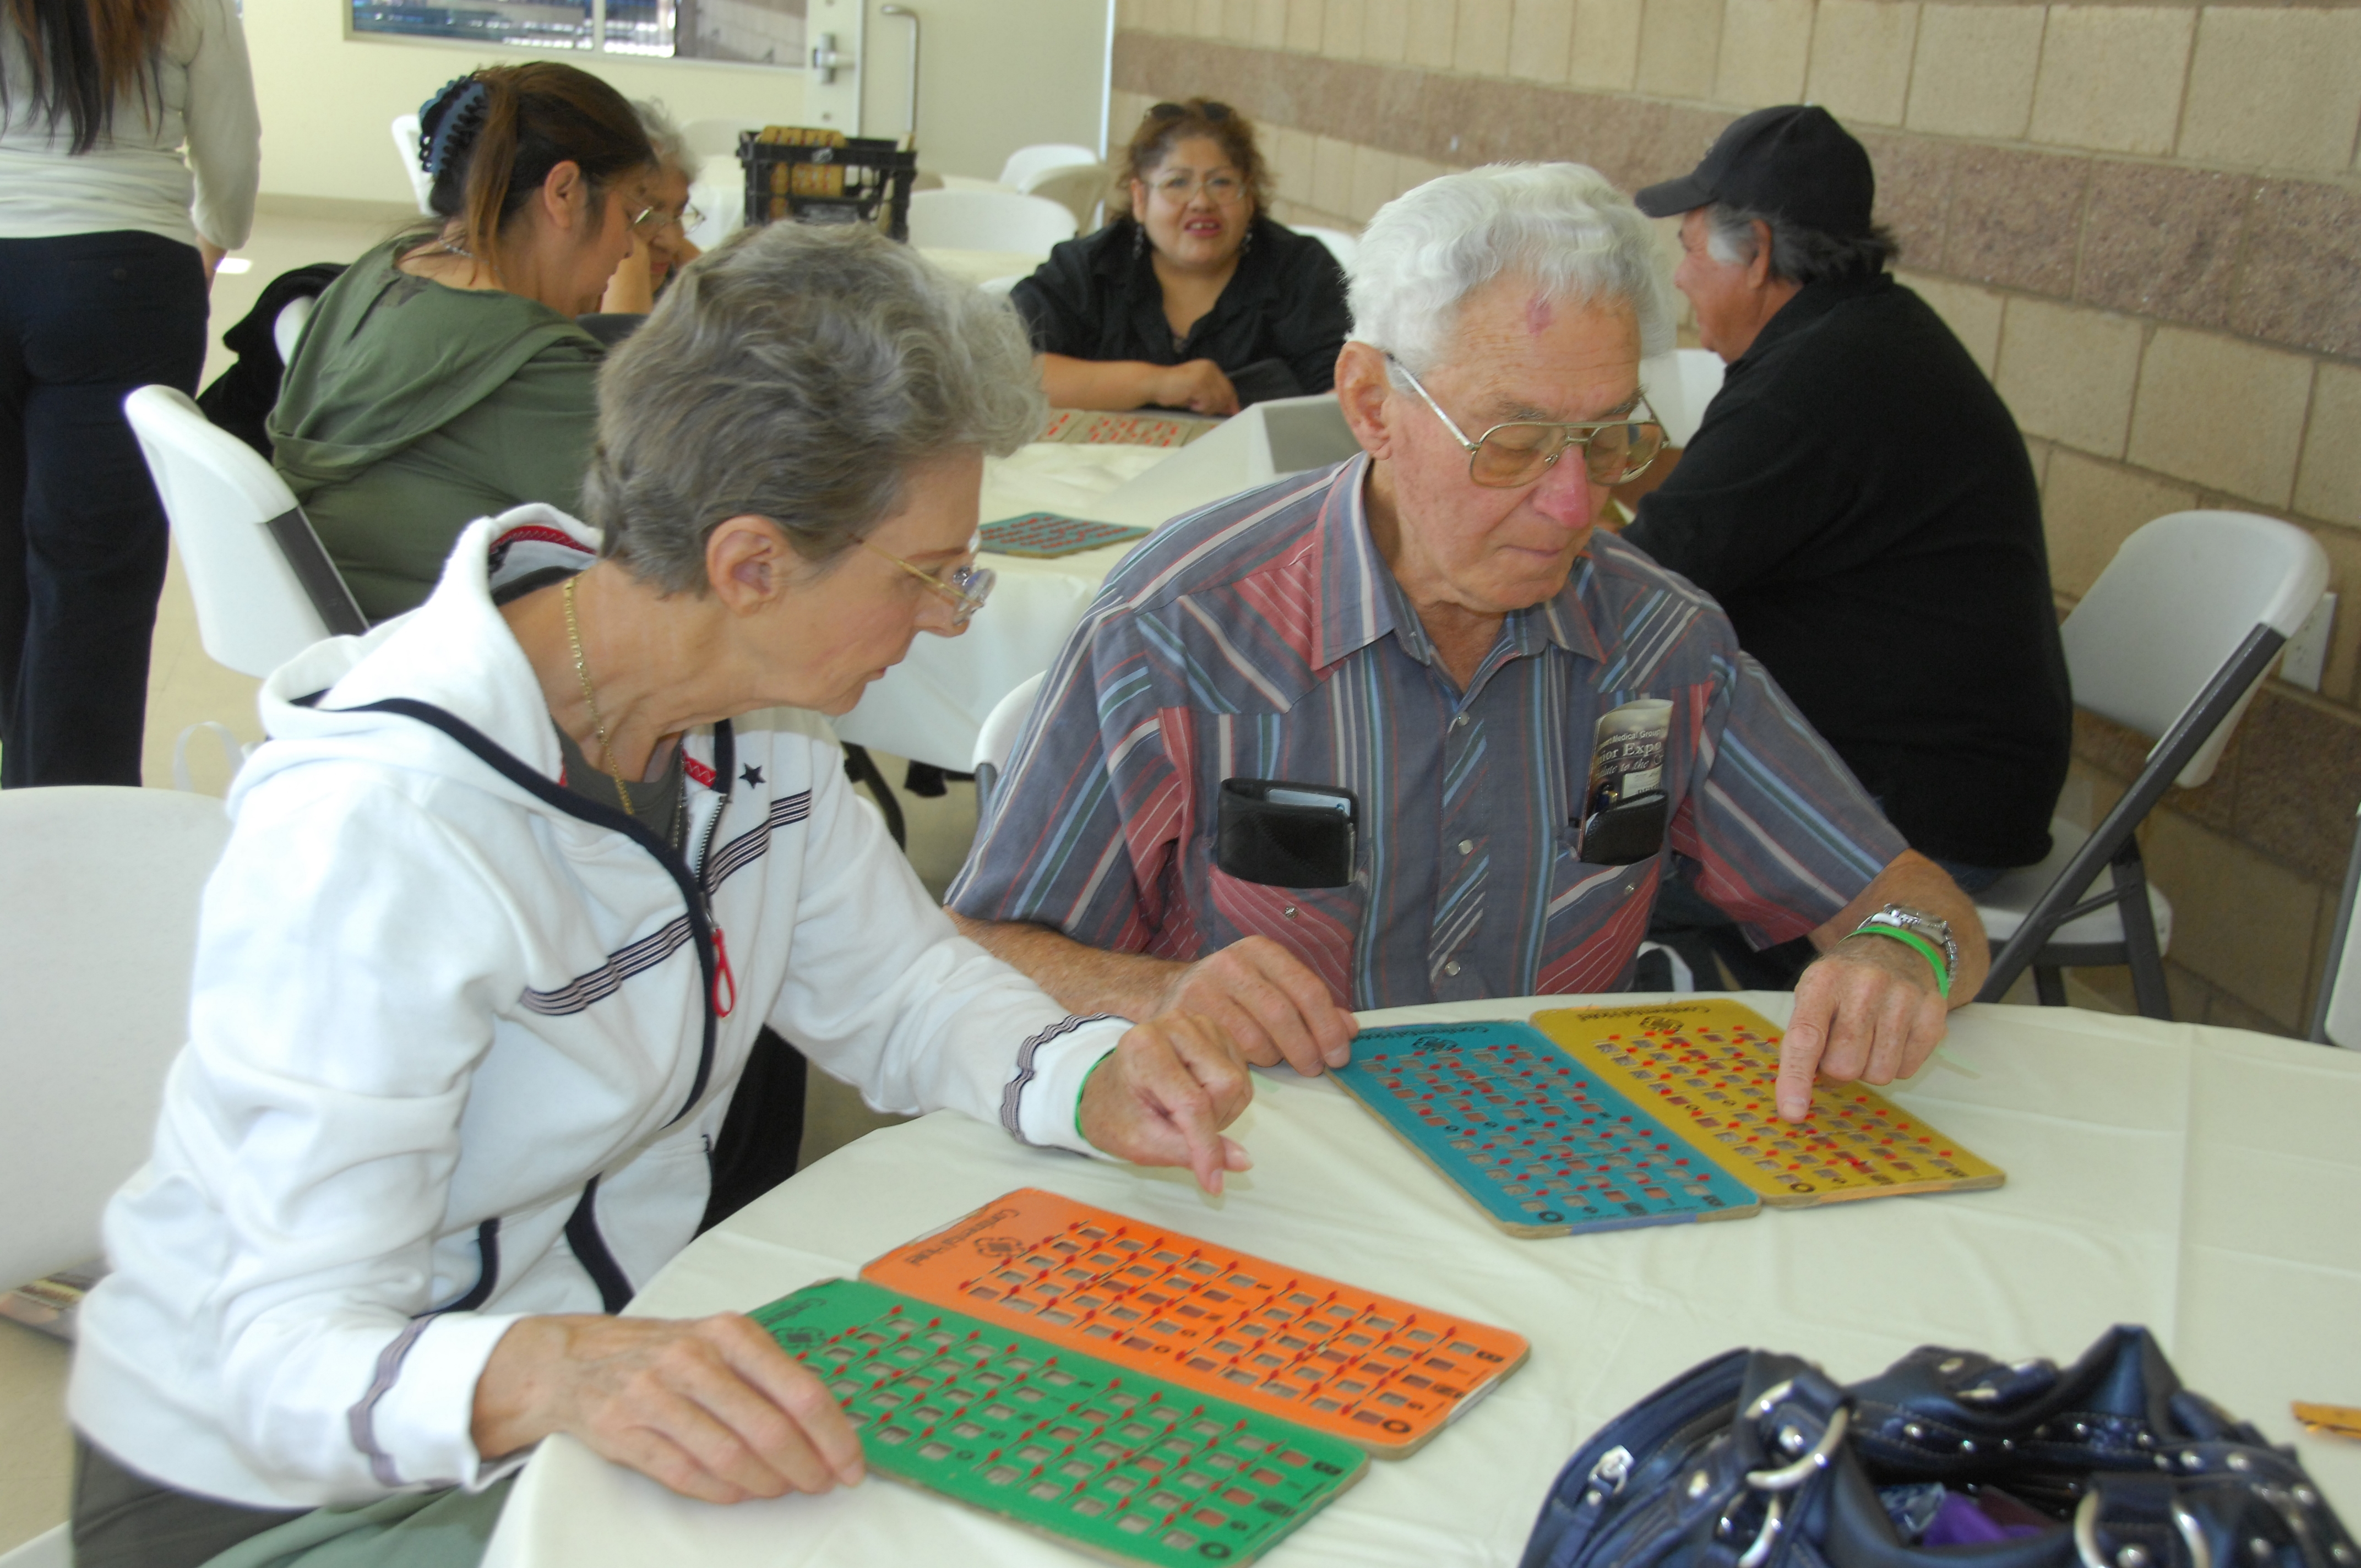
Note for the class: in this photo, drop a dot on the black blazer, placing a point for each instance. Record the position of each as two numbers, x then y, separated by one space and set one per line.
1274 332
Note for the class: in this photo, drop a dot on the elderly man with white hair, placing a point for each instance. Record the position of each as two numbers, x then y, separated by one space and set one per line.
1409 730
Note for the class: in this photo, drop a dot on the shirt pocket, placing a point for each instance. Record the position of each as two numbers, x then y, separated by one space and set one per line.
1594 919
1320 926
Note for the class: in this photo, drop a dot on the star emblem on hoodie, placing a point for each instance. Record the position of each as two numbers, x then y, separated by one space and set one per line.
753 775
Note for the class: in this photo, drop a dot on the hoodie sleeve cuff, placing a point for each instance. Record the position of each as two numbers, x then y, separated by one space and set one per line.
1045 1097
415 1424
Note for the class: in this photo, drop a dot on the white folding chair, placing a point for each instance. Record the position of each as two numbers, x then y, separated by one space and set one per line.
2171 641
287 327
988 220
406 135
2336 1016
1039 159
265 590
82 1052
997 739
1079 187
1342 246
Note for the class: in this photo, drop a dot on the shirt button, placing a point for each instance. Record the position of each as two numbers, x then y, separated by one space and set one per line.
1459 721
1467 846
1452 967
1289 911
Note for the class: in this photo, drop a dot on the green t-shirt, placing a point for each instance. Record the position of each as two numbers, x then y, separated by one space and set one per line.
412 408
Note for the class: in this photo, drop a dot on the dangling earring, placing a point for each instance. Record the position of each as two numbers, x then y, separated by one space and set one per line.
1247 244
1139 239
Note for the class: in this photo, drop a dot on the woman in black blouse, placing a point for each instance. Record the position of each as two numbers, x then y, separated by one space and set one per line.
1197 299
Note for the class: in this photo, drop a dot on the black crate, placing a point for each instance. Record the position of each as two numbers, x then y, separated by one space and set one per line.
852 184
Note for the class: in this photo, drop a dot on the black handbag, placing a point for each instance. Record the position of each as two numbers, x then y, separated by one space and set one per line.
1948 1459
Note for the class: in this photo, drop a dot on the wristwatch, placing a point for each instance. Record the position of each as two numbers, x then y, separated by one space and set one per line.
1902 918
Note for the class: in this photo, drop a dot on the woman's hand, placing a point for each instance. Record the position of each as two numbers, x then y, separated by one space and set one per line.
630 291
1198 386
713 1408
1164 1094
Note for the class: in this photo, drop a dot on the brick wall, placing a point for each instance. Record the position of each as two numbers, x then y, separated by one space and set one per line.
2144 221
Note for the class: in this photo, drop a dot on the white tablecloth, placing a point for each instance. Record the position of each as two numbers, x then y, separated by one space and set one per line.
2206 1182
931 704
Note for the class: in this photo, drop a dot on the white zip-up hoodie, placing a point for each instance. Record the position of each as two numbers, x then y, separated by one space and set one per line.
454 1053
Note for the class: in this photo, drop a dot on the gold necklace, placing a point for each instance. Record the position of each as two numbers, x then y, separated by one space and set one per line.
591 697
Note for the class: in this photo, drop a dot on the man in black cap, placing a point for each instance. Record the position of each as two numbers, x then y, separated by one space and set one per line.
1858 499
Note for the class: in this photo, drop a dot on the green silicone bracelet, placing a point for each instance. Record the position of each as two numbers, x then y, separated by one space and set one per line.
1085 1090
1934 954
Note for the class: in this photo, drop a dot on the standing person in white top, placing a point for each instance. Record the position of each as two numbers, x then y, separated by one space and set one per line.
108 239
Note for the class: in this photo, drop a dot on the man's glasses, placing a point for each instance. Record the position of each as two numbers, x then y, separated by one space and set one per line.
964 589
1520 452
1221 190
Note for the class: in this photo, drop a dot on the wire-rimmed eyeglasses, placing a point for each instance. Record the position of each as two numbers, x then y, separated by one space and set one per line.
1518 452
964 587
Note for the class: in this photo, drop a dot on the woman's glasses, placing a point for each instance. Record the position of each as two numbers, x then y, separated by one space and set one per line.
964 587
1221 190
1518 453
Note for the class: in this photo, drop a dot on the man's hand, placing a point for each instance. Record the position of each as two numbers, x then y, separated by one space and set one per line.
1164 1095
713 1408
1270 1003
1198 386
1867 1010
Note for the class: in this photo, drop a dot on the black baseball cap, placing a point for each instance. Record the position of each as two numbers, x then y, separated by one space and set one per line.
1793 160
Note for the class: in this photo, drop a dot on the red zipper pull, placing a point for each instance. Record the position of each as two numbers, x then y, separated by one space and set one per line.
722 977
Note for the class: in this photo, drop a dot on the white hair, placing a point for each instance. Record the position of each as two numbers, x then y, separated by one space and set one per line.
666 135
1560 225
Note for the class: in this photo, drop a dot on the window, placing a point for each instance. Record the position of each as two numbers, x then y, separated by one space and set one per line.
754 32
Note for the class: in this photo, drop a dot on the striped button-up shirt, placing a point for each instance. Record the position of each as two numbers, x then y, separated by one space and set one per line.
1265 637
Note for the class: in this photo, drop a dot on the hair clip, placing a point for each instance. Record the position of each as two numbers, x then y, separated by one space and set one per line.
450 120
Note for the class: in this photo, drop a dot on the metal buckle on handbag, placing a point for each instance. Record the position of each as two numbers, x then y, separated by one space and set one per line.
1787 1477
2086 1537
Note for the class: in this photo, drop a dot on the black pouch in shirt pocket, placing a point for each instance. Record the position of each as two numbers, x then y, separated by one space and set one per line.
1625 834
1286 834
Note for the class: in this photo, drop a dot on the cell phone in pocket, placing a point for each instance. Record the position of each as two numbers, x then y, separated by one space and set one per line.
1280 833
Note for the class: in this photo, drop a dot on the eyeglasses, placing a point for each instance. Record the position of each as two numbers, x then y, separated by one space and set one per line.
965 589
1221 190
1521 451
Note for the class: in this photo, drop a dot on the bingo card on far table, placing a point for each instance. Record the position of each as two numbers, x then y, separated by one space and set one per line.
1084 428
1045 535
1124 1466
1707 1067
1379 1373
1536 1140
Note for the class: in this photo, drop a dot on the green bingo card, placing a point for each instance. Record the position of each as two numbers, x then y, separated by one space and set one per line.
1125 1466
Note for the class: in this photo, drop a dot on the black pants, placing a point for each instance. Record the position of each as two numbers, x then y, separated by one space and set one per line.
83 319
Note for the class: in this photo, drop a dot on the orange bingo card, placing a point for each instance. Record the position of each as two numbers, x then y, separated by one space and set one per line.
1706 1069
1381 1373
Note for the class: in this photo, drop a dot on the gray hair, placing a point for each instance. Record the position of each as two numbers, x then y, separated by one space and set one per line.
666 135
1561 224
1798 255
798 374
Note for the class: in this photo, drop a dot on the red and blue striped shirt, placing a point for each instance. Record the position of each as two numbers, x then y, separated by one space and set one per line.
1265 637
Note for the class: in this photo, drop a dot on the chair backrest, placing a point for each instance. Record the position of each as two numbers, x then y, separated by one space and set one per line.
98 919
264 589
2336 1017
405 142
2177 601
1077 187
287 329
997 739
1342 246
988 220
1027 161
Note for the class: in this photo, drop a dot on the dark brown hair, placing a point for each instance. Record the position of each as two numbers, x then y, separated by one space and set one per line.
491 138
87 54
1165 125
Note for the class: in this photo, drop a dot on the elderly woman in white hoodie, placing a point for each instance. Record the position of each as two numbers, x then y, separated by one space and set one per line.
512 887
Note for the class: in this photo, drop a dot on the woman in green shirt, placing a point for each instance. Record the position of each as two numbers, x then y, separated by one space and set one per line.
442 377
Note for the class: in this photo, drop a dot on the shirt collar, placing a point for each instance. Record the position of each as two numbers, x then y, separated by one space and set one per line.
1360 601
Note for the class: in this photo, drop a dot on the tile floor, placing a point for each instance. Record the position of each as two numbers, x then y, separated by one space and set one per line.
186 687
